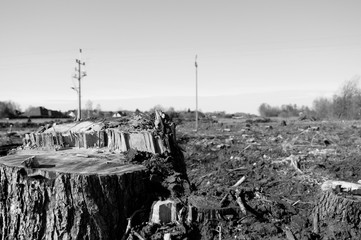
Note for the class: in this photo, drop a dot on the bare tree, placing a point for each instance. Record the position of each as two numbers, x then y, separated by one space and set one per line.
266 110
345 104
9 109
157 107
323 107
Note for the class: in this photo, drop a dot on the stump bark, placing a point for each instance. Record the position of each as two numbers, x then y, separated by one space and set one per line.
89 134
338 215
68 197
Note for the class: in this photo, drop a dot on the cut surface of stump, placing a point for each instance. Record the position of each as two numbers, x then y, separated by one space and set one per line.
69 194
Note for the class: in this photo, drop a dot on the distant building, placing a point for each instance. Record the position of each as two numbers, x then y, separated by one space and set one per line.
119 114
72 114
42 112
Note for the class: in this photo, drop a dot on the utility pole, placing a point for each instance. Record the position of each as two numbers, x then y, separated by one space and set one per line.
196 93
79 75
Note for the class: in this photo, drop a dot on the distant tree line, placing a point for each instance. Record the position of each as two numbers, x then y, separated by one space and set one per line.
290 110
345 104
9 109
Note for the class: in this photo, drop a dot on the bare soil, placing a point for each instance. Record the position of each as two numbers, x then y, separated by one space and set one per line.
278 167
279 197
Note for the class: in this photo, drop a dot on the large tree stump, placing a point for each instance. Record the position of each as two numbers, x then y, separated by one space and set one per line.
69 194
338 215
58 187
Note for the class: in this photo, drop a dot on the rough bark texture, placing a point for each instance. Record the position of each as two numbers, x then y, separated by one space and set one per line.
338 216
68 206
137 132
113 139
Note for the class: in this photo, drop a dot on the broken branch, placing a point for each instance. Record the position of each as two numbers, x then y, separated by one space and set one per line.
137 235
240 181
240 203
129 225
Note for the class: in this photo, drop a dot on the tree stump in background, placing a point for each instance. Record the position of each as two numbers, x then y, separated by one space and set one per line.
337 215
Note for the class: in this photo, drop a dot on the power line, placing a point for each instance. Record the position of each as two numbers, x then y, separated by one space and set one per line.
79 75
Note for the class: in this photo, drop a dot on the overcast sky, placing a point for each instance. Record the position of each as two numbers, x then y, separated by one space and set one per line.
141 53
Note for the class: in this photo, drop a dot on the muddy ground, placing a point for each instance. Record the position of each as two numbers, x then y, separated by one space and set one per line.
280 196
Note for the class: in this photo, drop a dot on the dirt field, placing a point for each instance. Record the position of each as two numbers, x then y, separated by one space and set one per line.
282 196
274 167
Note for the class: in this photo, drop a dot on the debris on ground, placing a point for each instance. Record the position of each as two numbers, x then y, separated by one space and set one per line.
248 179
